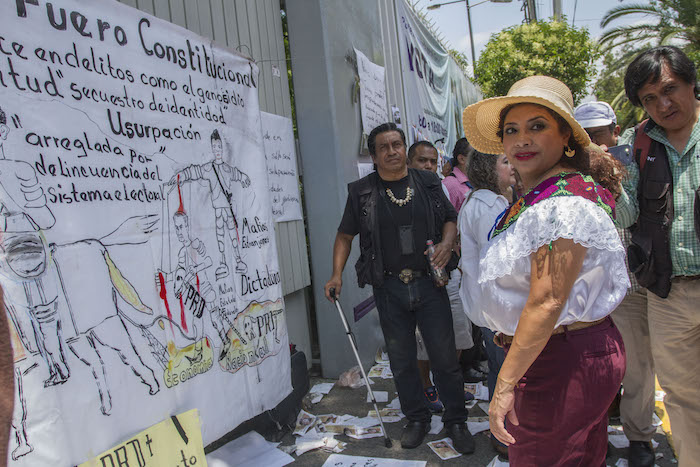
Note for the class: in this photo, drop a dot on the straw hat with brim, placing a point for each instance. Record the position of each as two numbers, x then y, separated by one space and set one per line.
481 119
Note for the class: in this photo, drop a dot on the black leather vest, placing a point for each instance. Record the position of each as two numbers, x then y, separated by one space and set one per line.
650 253
370 265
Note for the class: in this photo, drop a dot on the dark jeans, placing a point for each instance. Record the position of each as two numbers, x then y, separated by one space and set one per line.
496 356
402 306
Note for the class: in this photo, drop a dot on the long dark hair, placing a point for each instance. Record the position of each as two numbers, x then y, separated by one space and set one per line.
607 171
482 172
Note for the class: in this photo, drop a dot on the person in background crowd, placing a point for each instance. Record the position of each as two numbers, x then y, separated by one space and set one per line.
423 155
396 210
446 169
492 178
553 271
458 187
630 317
457 182
661 200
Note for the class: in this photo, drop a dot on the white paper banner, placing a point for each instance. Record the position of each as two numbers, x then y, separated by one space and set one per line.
372 93
278 139
131 168
435 89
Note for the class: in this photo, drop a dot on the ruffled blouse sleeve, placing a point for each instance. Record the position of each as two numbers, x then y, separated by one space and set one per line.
504 276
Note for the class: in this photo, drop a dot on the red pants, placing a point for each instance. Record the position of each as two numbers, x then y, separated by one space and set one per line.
563 399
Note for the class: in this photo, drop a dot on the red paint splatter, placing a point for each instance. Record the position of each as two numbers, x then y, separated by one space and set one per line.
197 277
180 209
182 315
206 339
164 296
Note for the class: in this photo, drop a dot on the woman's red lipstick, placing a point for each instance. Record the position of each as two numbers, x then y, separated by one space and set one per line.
523 156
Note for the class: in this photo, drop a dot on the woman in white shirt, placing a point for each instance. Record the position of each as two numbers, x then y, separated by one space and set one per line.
553 271
492 178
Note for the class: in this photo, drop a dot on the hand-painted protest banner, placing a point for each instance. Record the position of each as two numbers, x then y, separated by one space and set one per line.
175 441
131 168
278 139
372 93
435 88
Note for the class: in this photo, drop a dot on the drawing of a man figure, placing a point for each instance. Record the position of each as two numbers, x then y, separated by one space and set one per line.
190 274
219 176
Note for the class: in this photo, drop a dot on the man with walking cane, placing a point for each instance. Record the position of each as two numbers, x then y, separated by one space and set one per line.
396 211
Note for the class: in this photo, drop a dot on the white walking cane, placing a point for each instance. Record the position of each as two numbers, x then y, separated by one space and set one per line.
353 344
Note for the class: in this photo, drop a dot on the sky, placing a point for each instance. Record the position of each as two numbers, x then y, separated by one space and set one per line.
489 18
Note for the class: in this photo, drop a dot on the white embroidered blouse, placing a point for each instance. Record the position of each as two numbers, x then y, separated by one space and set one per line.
504 266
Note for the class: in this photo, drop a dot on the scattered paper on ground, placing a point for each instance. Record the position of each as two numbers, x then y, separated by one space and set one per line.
484 406
362 422
250 450
322 388
305 421
656 421
619 441
364 433
395 404
477 424
480 391
381 357
471 404
496 462
380 396
659 396
306 444
436 424
376 371
342 460
315 397
443 448
622 462
388 415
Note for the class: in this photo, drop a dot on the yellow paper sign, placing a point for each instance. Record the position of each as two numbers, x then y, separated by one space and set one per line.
176 441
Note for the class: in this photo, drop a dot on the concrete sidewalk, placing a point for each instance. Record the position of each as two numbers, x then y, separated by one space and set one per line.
342 400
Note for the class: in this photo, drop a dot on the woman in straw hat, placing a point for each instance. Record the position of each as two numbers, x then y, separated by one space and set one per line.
553 271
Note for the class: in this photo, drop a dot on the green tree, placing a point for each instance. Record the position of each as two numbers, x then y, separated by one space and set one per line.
661 22
543 48
610 88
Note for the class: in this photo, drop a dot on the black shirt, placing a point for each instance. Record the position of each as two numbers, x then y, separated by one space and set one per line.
391 216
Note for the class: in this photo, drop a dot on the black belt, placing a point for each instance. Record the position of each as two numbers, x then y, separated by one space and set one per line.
407 275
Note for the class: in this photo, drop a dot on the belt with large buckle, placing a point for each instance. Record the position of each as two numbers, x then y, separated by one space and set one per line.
407 275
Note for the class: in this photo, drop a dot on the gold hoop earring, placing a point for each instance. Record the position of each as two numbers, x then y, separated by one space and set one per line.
569 152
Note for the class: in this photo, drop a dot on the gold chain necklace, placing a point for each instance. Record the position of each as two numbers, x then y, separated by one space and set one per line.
400 202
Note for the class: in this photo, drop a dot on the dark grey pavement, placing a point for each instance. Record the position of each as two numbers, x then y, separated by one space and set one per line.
342 400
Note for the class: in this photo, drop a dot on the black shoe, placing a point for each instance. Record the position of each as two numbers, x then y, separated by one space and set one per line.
413 434
641 454
499 447
462 440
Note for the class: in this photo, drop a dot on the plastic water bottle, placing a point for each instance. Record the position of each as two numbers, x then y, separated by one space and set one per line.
440 276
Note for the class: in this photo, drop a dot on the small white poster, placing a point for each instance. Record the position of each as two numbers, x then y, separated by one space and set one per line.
372 93
278 139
